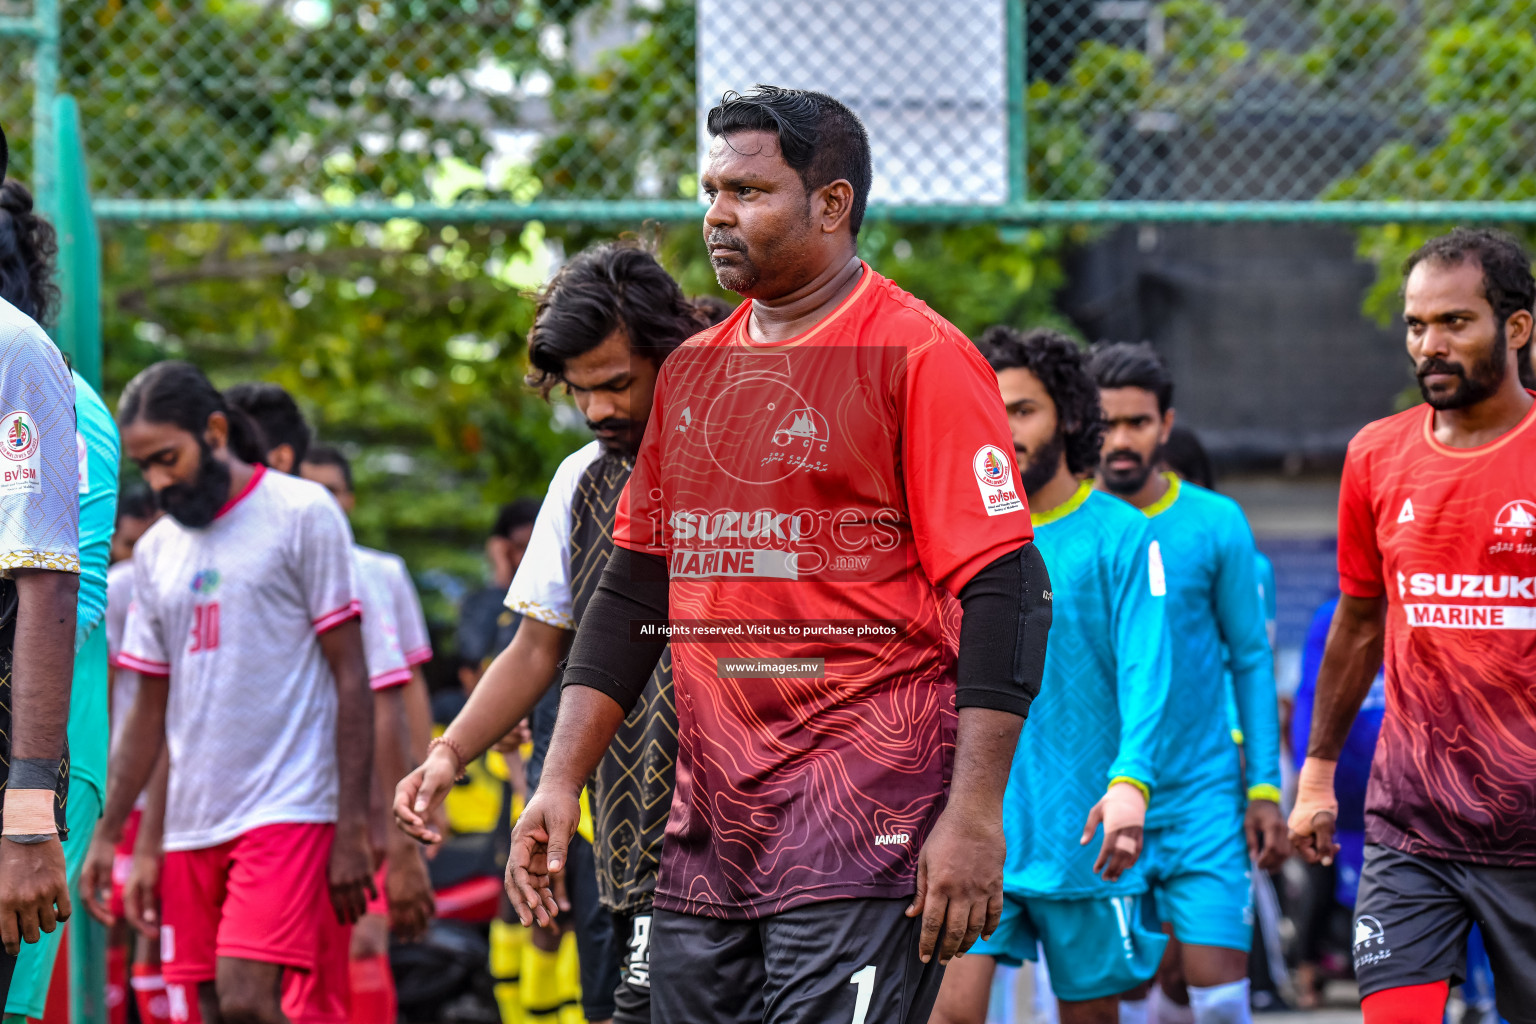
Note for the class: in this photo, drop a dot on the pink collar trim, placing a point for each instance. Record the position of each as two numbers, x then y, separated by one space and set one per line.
257 472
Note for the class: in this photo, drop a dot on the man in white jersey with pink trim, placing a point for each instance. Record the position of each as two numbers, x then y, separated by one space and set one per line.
246 638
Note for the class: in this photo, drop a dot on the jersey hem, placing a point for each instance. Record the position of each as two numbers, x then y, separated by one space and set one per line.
143 666
33 558
1075 893
1383 834
541 613
1360 589
330 620
210 838
770 905
420 656
387 680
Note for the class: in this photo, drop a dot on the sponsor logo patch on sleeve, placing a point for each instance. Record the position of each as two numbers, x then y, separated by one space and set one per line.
20 455
994 476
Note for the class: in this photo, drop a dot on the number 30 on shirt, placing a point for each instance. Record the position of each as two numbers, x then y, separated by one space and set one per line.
205 627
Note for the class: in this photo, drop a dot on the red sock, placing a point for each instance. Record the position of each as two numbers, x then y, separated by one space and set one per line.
149 993
117 985
1407 1004
373 991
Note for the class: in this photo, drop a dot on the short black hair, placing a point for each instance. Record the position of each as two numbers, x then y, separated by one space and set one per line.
322 454
5 154
1507 282
819 137
276 414
1062 368
513 514
178 393
1185 455
713 309
608 287
1123 364
136 501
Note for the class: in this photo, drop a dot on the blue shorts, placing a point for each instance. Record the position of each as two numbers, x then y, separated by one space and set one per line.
1201 882
1093 947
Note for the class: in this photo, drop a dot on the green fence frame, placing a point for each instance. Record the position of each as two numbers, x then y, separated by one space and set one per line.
43 29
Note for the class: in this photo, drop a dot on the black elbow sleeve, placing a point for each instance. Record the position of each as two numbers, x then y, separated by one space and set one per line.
609 652
1006 617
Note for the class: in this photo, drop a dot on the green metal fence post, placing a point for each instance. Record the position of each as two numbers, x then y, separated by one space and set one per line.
1018 91
45 85
78 331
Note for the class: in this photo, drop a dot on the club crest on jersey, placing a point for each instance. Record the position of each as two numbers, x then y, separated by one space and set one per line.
805 425
999 491
206 582
18 437
1518 518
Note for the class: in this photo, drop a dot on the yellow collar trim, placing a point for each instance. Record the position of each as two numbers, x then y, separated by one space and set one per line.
1066 508
1164 503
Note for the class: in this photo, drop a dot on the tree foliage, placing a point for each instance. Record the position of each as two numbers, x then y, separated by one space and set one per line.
1471 66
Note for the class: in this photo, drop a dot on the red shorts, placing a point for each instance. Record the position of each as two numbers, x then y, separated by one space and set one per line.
122 860
255 897
324 994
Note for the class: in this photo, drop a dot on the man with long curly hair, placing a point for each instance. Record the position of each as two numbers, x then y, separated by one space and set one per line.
1090 751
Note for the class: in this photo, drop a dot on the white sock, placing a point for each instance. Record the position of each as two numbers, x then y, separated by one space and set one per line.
1133 1011
1162 1010
1221 1004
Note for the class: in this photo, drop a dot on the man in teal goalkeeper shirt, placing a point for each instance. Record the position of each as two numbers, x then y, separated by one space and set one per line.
1090 747
1196 856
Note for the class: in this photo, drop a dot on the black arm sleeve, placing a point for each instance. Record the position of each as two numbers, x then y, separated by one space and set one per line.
607 654
1006 615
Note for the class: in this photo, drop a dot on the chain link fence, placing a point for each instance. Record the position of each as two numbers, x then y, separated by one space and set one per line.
980 109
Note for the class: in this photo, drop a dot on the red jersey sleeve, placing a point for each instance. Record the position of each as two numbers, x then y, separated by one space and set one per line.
638 521
1359 555
962 485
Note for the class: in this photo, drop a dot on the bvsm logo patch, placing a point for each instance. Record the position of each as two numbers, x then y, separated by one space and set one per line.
999 490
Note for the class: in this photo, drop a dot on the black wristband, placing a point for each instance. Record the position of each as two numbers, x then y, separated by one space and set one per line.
34 773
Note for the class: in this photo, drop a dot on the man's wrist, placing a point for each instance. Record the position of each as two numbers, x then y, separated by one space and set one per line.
1264 791
1146 790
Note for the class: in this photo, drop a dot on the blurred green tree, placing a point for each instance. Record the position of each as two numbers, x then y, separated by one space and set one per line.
1471 67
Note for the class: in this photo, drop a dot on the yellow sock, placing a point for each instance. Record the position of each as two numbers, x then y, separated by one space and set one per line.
506 969
539 986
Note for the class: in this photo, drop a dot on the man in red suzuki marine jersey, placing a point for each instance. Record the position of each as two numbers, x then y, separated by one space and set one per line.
1437 564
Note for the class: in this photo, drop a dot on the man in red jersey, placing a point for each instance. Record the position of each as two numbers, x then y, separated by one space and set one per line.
825 494
1437 562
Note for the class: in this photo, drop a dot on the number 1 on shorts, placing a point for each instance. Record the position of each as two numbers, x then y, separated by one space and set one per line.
865 979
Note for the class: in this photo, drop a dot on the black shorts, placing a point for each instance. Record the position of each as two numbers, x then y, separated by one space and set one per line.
632 952
594 933
1413 915
838 962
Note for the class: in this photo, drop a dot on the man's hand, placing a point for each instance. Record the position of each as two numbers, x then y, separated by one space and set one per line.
350 872
1123 812
540 842
1267 843
141 894
1316 811
32 885
959 882
409 890
96 879
422 791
